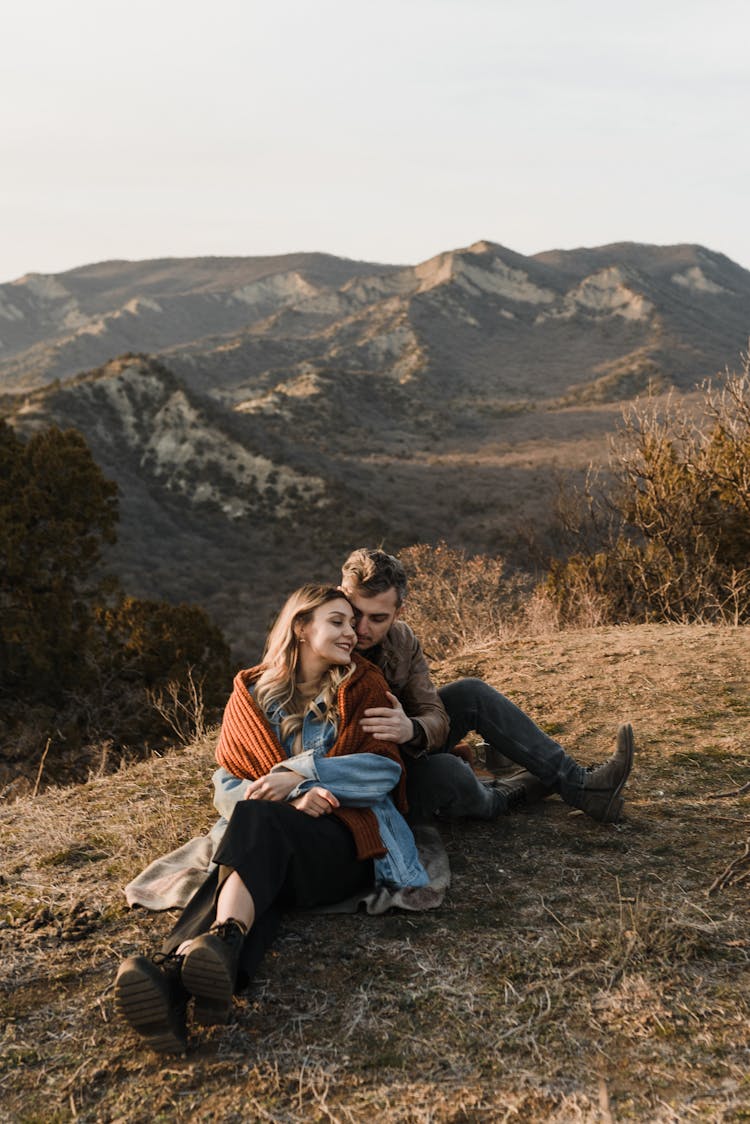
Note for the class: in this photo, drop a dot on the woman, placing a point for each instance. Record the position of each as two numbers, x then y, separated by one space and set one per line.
316 825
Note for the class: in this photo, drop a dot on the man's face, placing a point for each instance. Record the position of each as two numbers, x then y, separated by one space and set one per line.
374 615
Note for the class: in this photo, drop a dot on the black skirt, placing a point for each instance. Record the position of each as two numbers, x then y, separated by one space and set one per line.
286 859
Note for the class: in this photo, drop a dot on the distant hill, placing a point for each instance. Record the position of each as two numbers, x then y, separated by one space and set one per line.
482 318
264 414
52 326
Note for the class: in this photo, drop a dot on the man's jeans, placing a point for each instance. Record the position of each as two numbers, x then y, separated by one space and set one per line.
443 783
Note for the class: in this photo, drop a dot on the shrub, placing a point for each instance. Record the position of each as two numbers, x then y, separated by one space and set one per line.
456 602
668 538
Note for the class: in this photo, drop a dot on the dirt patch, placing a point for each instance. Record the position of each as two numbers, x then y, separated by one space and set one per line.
574 973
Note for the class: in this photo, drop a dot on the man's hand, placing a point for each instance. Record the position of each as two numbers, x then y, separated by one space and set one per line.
274 786
388 724
315 802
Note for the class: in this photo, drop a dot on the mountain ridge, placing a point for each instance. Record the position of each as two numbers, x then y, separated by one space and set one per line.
327 404
52 326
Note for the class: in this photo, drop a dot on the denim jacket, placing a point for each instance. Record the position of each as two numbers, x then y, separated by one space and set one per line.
357 780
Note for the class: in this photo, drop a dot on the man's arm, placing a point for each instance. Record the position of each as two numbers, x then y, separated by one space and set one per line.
416 719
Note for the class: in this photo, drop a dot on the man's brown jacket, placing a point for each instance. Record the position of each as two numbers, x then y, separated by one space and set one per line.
401 659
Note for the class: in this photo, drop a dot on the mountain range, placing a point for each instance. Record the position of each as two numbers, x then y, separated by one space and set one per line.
263 415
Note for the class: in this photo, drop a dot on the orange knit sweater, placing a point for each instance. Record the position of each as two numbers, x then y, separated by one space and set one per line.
249 748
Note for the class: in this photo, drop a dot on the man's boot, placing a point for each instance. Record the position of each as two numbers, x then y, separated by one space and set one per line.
521 789
601 797
209 971
150 996
496 761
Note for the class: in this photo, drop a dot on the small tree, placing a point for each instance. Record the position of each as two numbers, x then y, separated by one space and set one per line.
77 657
57 510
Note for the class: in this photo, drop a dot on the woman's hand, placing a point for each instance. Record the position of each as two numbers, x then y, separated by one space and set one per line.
274 786
316 802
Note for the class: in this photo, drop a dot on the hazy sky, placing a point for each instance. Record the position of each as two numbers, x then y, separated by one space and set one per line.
381 129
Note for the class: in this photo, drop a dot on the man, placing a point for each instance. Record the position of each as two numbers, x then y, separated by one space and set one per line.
428 723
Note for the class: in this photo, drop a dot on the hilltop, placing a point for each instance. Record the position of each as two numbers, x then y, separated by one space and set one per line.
263 415
575 971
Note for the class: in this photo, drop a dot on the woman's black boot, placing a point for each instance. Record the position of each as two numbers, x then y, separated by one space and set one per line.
150 996
209 971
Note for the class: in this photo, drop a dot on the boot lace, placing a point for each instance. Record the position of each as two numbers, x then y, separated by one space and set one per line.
167 960
231 932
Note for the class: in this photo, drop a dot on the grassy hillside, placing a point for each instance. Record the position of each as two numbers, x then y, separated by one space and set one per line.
575 971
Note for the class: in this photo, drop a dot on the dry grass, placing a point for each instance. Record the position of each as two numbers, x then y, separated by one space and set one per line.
575 972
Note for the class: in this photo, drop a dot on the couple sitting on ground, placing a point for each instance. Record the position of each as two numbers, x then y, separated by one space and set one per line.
341 722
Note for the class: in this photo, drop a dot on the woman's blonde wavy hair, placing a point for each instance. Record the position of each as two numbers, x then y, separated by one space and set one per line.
277 682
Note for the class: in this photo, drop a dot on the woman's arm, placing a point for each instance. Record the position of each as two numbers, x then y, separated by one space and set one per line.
276 785
356 779
228 789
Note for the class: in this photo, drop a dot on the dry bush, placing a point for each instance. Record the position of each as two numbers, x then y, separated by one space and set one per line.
668 538
182 706
456 602
543 613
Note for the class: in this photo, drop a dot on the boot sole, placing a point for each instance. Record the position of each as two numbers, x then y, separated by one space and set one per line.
204 974
613 811
148 1011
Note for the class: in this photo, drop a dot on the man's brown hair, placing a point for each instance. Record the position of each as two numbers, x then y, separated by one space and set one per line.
372 572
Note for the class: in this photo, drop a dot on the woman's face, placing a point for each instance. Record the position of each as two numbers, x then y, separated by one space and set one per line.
330 635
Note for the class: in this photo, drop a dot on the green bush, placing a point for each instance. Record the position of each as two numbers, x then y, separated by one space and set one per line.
84 669
57 511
